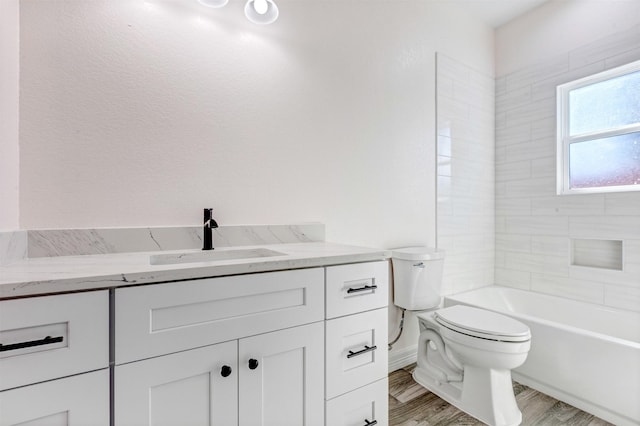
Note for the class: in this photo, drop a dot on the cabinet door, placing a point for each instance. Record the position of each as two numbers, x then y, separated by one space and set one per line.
284 384
73 401
185 388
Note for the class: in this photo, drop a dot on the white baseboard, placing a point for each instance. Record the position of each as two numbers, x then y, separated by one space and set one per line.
402 357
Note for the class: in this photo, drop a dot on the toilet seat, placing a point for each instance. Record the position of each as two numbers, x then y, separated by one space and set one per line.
482 324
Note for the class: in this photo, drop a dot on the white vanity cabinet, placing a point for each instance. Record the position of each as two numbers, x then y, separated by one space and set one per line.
54 360
206 353
299 347
356 344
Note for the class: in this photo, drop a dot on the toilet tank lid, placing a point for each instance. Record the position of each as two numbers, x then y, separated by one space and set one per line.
417 253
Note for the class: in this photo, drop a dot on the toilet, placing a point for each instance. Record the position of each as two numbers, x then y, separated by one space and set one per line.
465 354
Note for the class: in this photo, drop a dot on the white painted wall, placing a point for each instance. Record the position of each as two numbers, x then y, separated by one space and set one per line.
535 228
142 113
9 58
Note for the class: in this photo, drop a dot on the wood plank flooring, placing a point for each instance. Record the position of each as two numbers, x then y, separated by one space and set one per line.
412 405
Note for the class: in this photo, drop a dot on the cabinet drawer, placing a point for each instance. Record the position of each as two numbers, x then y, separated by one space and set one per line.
45 338
366 404
356 288
356 351
164 318
74 401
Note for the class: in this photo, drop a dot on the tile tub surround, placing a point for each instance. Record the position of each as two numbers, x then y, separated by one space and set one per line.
465 99
58 274
73 242
536 230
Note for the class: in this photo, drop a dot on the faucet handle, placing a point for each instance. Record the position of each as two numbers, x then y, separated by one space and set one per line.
209 221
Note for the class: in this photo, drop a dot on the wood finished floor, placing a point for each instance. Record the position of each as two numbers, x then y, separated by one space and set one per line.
412 405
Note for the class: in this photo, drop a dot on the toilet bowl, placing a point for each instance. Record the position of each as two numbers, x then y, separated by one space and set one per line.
465 354
482 347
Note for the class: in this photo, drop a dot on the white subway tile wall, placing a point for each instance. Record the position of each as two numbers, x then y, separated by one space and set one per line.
466 187
534 226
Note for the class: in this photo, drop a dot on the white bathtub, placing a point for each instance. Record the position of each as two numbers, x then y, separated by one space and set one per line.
584 354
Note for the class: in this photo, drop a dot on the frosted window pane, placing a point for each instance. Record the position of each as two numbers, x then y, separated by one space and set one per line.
605 162
605 105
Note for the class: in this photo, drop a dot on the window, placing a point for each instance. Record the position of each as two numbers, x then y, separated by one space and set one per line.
599 132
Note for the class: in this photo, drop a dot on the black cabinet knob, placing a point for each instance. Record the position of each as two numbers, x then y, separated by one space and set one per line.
253 364
226 371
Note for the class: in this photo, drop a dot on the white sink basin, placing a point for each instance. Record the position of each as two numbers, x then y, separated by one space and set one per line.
211 256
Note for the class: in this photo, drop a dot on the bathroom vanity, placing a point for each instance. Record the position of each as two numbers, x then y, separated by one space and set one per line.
292 338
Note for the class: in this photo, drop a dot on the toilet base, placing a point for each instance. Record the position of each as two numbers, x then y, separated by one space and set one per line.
485 394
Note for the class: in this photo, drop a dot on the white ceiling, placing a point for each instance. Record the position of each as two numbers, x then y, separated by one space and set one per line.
498 12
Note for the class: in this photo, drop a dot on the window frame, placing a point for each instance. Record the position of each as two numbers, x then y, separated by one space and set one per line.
564 140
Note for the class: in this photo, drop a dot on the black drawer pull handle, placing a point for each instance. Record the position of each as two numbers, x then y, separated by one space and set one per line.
226 371
46 341
368 423
253 364
365 288
363 351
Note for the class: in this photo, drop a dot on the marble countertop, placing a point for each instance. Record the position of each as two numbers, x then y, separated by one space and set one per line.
47 275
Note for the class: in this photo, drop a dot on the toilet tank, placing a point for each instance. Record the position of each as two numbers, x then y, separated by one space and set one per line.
417 277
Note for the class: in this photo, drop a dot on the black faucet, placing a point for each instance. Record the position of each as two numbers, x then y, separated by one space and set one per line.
207 229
